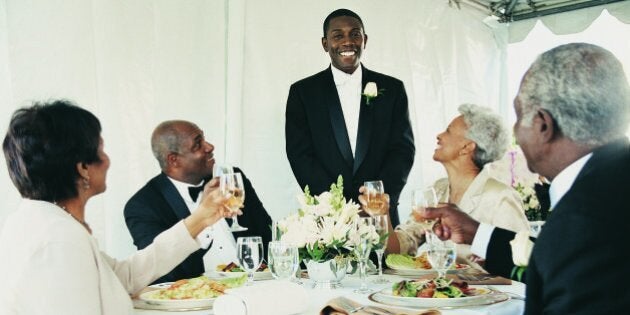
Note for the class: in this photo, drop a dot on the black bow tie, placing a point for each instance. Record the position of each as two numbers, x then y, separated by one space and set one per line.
194 192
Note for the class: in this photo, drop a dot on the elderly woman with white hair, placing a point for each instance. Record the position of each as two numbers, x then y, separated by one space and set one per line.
473 139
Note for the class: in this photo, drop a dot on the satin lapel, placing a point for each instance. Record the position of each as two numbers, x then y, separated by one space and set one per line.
172 197
364 134
331 97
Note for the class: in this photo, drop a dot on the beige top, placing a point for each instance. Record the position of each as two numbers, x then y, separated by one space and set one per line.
486 200
51 265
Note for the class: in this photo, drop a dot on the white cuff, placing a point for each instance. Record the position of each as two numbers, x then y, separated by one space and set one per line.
204 239
480 243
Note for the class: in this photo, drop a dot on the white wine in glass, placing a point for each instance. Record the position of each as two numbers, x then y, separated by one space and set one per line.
423 198
375 197
232 184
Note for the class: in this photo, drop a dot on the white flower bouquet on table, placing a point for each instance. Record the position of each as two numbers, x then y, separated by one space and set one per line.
325 226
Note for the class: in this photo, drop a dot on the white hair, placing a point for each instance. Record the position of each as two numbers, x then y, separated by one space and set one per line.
487 130
584 89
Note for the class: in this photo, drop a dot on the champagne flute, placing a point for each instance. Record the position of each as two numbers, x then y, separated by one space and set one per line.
232 184
282 260
375 197
250 255
441 255
364 227
423 198
220 169
381 223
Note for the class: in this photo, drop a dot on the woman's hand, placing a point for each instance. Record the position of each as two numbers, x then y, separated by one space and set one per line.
383 207
212 208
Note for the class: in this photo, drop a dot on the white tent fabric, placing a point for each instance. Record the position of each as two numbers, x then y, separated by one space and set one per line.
227 65
569 22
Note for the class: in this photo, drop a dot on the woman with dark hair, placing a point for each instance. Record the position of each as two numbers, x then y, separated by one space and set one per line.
51 264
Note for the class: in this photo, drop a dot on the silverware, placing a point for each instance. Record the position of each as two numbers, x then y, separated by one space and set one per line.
514 296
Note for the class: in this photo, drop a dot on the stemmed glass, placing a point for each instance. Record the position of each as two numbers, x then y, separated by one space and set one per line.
283 260
364 227
381 223
276 236
441 255
423 198
232 184
250 255
375 197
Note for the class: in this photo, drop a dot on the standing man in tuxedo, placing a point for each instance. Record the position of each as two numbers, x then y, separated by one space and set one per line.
573 110
186 160
334 126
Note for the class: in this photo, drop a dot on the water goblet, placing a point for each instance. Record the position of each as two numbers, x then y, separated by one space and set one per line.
441 255
381 223
364 228
283 260
375 197
232 184
249 251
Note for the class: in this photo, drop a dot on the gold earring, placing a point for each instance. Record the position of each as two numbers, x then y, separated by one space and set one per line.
86 183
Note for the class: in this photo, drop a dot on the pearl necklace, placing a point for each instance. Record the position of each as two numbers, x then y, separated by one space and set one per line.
85 225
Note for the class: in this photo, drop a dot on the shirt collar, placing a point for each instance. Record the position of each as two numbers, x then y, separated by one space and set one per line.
341 78
182 188
563 182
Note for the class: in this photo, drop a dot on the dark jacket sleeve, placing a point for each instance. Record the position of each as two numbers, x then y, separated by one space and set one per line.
499 253
299 145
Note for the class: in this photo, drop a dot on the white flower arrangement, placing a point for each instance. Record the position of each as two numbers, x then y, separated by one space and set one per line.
325 226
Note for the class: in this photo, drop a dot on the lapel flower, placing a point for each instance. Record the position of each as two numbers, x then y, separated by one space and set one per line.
370 92
521 250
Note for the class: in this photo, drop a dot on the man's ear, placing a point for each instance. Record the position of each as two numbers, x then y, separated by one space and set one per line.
171 159
545 125
325 44
364 41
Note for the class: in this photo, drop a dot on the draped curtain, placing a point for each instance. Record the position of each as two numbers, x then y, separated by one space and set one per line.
227 66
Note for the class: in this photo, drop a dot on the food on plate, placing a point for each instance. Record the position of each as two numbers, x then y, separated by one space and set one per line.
196 288
435 288
399 261
233 267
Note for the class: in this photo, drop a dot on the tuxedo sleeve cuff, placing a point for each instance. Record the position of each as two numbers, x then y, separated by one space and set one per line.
480 243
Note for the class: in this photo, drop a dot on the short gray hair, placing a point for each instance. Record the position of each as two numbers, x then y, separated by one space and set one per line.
488 131
584 89
165 139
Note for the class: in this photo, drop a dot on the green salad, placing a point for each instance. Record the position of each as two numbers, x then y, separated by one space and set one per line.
434 288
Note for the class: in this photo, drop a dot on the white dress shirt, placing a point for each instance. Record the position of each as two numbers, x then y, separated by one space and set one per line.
223 248
559 187
349 90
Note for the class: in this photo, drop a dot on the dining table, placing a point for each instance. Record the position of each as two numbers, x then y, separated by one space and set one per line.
318 298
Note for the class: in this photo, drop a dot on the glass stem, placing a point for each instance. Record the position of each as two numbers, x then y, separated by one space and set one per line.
250 278
379 254
362 270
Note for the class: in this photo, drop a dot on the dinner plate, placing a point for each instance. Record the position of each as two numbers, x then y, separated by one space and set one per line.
258 275
145 301
488 296
420 271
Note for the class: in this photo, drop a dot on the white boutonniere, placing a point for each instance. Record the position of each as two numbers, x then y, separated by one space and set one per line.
371 92
521 250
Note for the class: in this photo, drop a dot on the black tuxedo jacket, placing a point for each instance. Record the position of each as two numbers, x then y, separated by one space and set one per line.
317 143
578 263
158 206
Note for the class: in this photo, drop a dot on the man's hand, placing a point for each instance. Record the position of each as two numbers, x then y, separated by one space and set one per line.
452 223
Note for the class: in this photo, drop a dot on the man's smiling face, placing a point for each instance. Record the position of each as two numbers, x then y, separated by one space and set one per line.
345 42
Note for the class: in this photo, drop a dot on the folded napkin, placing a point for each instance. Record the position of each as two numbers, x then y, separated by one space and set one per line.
475 278
344 306
270 297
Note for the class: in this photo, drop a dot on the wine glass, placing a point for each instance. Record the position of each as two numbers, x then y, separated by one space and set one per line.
250 255
282 260
375 197
364 227
441 255
423 198
381 223
232 184
220 169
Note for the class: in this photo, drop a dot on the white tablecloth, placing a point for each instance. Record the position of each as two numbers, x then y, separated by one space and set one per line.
319 297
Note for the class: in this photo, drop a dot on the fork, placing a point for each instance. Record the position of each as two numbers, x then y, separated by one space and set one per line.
345 304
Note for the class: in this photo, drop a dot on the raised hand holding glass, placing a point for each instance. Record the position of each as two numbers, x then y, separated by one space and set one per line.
232 184
375 197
